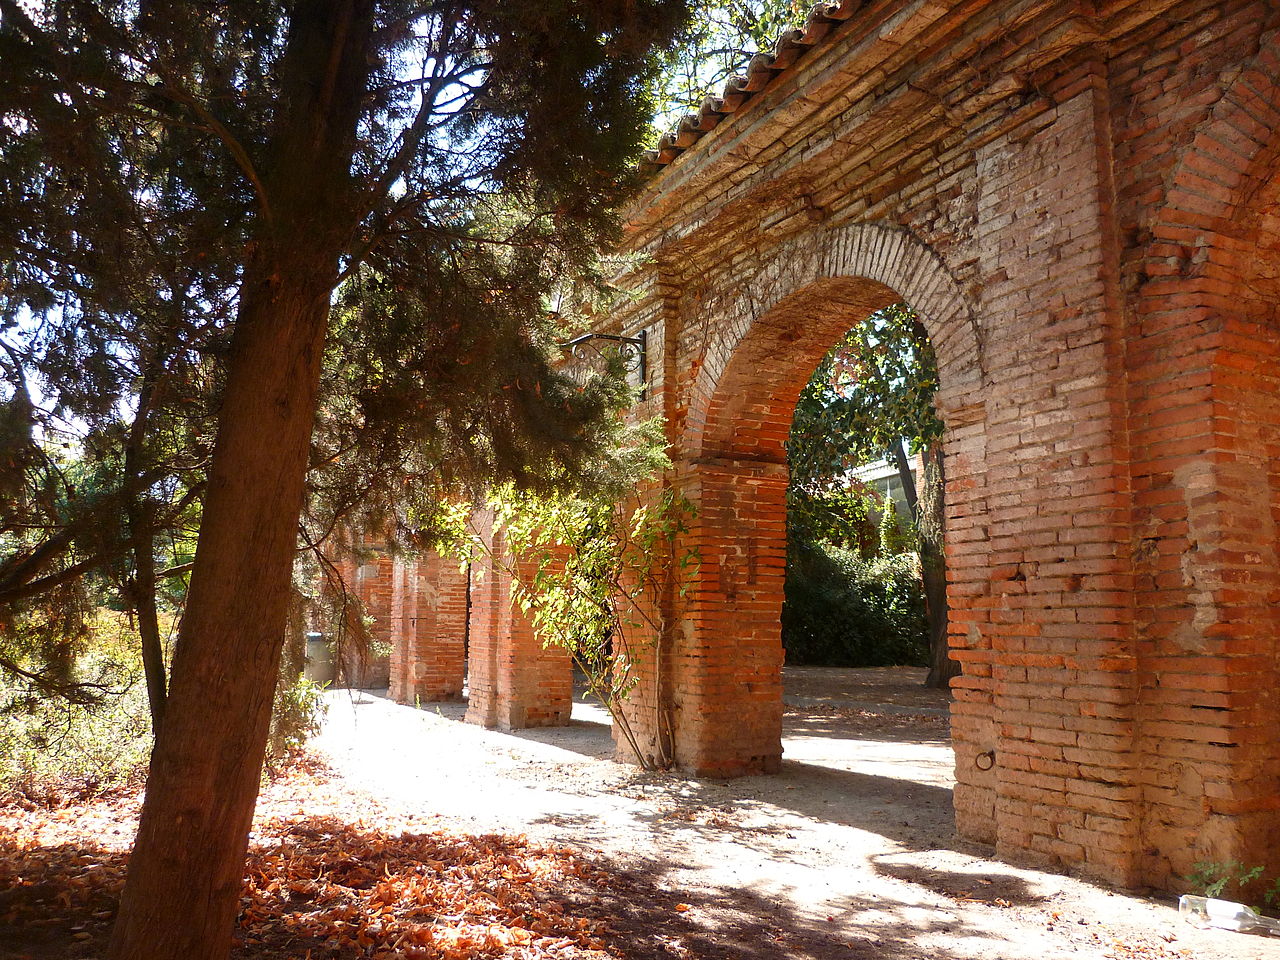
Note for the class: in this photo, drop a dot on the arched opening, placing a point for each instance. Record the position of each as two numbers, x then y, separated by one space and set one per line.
718 669
727 653
866 578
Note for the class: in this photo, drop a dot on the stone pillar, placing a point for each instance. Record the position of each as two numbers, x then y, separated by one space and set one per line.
514 682
429 629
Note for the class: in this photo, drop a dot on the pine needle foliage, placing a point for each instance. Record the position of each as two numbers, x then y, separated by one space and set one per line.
145 173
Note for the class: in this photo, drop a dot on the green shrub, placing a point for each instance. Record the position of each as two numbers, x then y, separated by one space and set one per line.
841 516
298 705
53 750
842 610
897 536
296 715
1228 880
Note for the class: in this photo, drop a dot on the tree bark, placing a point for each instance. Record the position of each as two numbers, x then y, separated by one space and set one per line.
141 590
186 871
141 587
934 570
903 464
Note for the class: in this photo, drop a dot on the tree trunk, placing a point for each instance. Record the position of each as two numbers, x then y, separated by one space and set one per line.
901 461
141 591
141 587
933 569
187 867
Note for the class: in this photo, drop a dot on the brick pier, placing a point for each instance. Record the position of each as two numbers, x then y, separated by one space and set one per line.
1082 203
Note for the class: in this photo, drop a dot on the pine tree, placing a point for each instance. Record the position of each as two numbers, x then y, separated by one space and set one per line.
183 188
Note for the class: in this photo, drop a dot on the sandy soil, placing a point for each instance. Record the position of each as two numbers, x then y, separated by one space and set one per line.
849 852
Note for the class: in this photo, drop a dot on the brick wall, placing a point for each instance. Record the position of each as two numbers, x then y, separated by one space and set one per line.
1083 209
513 681
416 612
1198 206
369 580
428 629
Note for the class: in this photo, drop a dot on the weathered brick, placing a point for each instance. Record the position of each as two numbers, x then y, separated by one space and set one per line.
1097 263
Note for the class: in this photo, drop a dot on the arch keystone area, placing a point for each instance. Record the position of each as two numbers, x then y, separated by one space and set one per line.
880 254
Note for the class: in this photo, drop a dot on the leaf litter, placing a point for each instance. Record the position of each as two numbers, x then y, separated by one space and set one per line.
329 874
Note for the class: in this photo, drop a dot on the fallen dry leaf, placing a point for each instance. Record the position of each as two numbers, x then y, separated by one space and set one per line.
343 879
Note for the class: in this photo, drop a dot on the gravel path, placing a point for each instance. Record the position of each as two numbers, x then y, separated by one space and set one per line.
849 852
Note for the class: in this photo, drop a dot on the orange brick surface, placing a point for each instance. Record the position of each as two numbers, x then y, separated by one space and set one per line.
1084 208
428 629
513 681
1082 203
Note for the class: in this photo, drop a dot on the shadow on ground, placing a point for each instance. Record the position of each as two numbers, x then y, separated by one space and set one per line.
865 723
63 915
876 803
701 809
741 924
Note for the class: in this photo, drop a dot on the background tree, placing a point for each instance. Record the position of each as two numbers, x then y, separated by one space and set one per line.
871 398
182 189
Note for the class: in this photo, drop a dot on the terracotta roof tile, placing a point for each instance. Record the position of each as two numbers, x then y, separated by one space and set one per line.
762 69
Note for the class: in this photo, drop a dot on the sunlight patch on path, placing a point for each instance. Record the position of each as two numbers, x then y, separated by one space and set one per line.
851 845
932 763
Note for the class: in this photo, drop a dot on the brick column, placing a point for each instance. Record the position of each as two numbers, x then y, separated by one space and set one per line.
726 648
1041 557
429 627
1205 359
513 681
371 583
646 647
974 718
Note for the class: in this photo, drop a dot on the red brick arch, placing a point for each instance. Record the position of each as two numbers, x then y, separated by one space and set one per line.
791 310
1227 160
772 329
1103 194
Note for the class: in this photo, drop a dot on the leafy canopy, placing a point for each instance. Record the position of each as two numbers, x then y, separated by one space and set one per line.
872 391
853 592
719 40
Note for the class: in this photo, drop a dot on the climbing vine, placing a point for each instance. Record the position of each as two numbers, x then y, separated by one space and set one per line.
591 575
592 568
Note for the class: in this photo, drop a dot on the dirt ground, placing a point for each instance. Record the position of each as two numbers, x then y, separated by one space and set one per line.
849 852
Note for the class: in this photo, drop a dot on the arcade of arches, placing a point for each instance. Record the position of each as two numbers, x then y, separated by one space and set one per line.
1081 200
